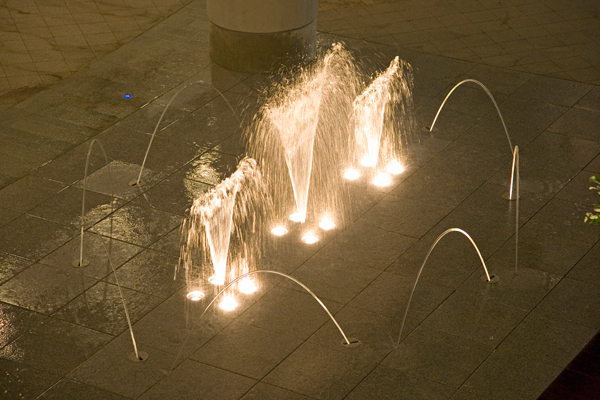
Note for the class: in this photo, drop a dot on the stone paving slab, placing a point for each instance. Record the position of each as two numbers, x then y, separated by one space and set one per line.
478 341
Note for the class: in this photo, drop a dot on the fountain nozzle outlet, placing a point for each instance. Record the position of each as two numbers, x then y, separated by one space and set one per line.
351 343
77 263
493 279
139 358
135 183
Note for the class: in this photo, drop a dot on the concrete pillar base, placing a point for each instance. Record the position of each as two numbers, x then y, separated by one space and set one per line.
262 52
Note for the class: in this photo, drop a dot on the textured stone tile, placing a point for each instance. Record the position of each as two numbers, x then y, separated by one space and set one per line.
445 266
298 314
388 296
586 269
114 179
437 357
388 383
578 190
175 326
431 188
100 251
138 225
246 350
565 219
367 245
101 308
264 391
405 216
173 155
578 123
564 304
519 111
451 122
28 192
283 254
487 236
70 167
548 341
591 101
519 287
191 378
20 381
332 278
176 194
374 331
44 289
319 372
150 272
11 265
67 389
488 202
170 243
476 317
550 149
55 346
111 369
65 207
548 89
506 374
489 134
211 168
543 250
15 322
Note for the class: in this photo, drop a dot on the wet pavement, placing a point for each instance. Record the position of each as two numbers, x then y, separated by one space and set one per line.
63 332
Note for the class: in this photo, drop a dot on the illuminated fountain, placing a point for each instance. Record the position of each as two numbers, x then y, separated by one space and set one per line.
486 277
378 125
228 303
220 237
514 190
321 122
300 139
81 262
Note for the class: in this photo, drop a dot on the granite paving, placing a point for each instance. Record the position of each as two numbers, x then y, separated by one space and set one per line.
63 330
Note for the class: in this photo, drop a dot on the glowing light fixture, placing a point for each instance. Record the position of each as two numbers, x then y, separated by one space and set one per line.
217 279
195 295
247 286
368 161
382 179
228 303
351 174
310 238
395 167
326 223
279 231
296 217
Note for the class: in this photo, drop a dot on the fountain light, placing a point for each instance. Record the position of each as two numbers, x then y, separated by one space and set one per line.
351 174
326 223
217 280
279 231
296 217
382 179
228 303
310 238
247 286
395 167
368 161
195 295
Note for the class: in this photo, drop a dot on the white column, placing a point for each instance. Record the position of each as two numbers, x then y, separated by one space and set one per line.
260 35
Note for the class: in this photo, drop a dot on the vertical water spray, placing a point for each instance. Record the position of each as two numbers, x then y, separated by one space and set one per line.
382 114
220 237
300 136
